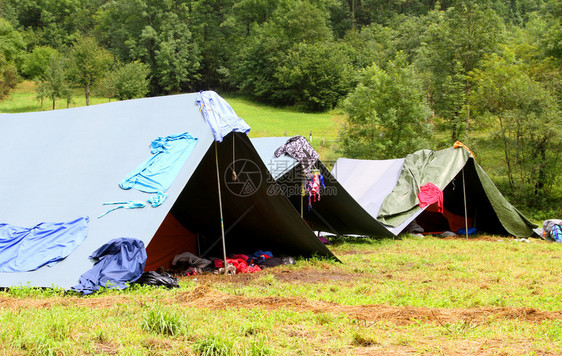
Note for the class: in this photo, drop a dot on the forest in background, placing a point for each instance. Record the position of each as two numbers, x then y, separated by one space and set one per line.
408 74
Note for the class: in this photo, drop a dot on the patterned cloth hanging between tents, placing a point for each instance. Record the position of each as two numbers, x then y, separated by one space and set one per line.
299 148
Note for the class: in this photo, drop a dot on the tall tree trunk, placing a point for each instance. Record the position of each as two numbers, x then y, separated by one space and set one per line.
87 93
507 160
353 5
541 179
53 104
467 122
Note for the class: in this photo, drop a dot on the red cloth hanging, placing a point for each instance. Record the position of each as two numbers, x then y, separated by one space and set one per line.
429 194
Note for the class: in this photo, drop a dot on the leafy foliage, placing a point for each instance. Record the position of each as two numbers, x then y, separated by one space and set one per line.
315 76
452 46
527 121
88 63
388 113
53 83
35 63
266 50
155 33
127 81
11 46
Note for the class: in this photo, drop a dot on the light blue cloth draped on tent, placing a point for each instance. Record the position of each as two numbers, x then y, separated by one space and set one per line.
157 173
25 249
219 115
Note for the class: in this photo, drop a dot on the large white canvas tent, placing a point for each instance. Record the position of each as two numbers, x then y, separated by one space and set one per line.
60 165
336 211
388 190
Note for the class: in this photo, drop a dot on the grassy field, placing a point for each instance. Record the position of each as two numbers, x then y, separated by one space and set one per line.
485 296
480 296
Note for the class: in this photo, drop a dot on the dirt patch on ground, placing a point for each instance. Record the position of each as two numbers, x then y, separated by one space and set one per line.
308 275
205 296
491 238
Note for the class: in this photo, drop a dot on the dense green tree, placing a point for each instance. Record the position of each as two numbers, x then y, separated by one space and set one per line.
11 52
217 31
265 51
127 81
35 63
53 83
8 77
453 46
54 22
387 113
526 119
88 64
156 33
12 45
551 39
452 101
371 44
315 76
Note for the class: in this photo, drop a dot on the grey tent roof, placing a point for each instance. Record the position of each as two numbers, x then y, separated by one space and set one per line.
388 189
336 212
369 182
60 165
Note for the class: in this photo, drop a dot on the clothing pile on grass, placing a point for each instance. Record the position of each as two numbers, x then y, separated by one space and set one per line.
552 230
189 264
118 264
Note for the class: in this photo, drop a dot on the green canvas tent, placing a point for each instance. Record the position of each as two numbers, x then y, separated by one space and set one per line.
59 165
389 190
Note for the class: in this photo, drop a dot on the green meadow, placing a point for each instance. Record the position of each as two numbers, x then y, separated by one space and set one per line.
421 296
487 295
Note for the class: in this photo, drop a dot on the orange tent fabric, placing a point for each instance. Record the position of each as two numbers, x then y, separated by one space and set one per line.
171 239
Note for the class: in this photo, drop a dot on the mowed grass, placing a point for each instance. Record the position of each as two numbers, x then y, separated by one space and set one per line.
413 296
321 129
267 121
24 99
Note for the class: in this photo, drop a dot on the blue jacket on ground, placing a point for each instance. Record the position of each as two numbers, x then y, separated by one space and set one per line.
119 262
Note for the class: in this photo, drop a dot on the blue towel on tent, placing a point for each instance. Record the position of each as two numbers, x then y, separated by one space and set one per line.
159 171
219 115
119 262
25 249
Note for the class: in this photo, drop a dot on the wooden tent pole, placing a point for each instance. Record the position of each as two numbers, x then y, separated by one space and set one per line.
465 213
220 206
